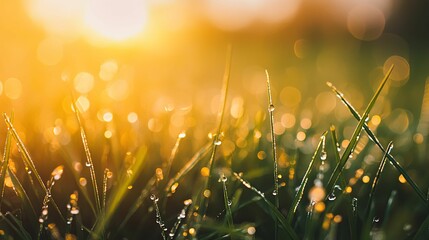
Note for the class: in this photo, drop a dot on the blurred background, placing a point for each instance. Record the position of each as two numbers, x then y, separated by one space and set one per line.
144 71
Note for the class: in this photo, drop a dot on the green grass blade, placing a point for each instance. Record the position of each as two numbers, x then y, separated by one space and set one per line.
270 208
5 163
188 166
21 192
118 194
16 226
298 195
89 163
350 209
354 139
377 177
227 203
373 138
29 162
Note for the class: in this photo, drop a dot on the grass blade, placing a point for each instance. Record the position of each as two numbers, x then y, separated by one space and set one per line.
21 191
377 177
89 162
16 225
354 139
29 162
298 195
5 163
227 203
377 142
270 208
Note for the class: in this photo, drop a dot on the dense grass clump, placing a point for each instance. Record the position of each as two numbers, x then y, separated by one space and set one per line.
244 182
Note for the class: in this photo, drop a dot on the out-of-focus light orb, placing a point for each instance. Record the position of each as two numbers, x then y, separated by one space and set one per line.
50 51
366 22
401 70
398 120
107 117
108 70
83 104
13 88
118 90
326 102
115 19
300 48
305 123
288 120
108 134
83 82
1 88
275 11
132 117
59 17
290 97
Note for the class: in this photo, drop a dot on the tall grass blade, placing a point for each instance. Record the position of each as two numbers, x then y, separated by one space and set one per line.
180 218
216 138
373 138
5 163
377 177
227 202
21 192
118 194
354 139
89 163
298 195
16 225
29 162
351 208
270 208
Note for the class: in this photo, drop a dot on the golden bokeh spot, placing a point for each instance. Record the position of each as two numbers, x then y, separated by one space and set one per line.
174 187
376 120
348 189
338 219
300 136
401 71
132 117
300 48
108 70
205 171
192 231
325 102
108 134
13 88
159 174
288 120
82 181
305 123
107 116
83 82
207 193
319 207
130 187
261 155
366 22
365 179
83 104
317 194
251 230
418 138
402 179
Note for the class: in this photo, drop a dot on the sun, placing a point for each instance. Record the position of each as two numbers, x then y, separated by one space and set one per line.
115 19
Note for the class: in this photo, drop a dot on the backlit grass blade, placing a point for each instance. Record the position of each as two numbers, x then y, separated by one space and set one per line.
188 167
5 163
21 192
227 202
373 138
119 193
270 208
216 138
298 195
354 139
89 163
16 225
343 184
377 177
29 162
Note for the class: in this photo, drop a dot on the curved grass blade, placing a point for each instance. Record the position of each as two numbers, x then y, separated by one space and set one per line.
21 191
377 177
298 195
29 162
181 216
5 163
354 139
377 142
270 208
89 162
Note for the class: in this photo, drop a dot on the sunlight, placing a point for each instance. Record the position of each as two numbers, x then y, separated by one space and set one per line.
116 20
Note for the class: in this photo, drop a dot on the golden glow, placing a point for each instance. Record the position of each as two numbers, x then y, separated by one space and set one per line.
348 189
316 194
365 179
205 171
50 51
83 82
132 117
338 219
207 193
288 120
300 136
376 120
13 88
319 207
115 19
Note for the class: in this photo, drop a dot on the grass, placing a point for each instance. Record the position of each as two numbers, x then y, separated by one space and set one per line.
178 197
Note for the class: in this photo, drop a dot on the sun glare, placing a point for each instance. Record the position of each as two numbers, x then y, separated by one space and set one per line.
114 19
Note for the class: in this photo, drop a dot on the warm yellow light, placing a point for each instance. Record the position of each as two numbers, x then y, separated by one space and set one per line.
114 19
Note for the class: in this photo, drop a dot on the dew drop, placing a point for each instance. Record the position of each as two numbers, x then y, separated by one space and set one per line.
271 108
229 202
332 197
218 142
323 155
152 197
171 235
88 164
376 220
275 192
223 178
